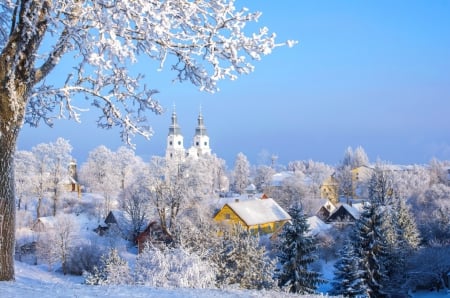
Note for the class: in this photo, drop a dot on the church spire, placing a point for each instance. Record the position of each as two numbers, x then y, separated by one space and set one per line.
201 139
201 128
174 128
175 149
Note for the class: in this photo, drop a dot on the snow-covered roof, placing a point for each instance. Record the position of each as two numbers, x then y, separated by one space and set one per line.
258 211
316 225
353 211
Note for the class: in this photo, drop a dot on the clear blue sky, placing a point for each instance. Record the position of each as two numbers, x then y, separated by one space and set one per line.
369 73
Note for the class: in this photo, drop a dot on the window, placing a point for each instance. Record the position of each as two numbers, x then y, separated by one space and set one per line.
170 143
179 142
227 216
206 143
197 143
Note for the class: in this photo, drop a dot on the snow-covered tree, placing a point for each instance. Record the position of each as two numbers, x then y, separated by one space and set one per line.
56 243
360 157
205 41
370 245
49 169
263 177
409 233
348 158
381 187
240 260
241 173
296 253
135 201
25 180
128 165
344 177
316 173
60 157
173 268
100 174
355 158
348 277
113 270
169 198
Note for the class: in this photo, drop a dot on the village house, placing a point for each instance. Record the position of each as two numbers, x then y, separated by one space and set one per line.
262 216
153 234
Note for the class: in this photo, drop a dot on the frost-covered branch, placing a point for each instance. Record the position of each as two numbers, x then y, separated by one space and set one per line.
205 41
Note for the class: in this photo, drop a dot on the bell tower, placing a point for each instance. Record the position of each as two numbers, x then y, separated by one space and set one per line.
201 139
175 148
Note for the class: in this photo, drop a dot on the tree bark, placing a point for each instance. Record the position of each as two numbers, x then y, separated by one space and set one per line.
7 204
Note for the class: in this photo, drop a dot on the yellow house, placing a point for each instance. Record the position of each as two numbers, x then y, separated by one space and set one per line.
330 190
262 216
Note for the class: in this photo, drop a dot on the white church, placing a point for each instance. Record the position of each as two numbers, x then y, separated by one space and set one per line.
175 150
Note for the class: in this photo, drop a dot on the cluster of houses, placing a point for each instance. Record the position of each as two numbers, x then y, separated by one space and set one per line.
257 213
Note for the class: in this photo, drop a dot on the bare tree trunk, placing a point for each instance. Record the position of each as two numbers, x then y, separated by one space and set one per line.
7 203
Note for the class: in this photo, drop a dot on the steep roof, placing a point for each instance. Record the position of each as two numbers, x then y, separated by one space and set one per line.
257 211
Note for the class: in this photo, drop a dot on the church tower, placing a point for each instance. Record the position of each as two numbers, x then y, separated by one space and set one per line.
201 139
175 148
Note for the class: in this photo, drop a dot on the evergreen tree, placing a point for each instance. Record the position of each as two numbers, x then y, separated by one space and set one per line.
348 278
113 270
402 239
241 260
409 233
296 252
371 249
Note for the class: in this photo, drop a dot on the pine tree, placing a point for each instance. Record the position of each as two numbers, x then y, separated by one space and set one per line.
408 229
348 278
371 249
241 260
402 239
113 270
296 252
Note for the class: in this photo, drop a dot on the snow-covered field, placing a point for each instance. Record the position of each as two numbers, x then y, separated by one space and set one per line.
38 282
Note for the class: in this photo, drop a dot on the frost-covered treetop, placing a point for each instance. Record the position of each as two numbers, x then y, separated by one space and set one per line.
203 40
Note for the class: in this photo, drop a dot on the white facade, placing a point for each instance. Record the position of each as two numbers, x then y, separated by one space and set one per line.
175 147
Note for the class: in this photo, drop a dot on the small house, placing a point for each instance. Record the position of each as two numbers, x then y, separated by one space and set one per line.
344 213
153 234
119 222
326 210
263 216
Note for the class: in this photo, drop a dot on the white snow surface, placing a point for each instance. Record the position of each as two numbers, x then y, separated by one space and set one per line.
38 282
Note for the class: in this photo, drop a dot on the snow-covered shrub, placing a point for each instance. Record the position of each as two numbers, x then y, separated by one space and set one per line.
84 258
113 270
173 267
